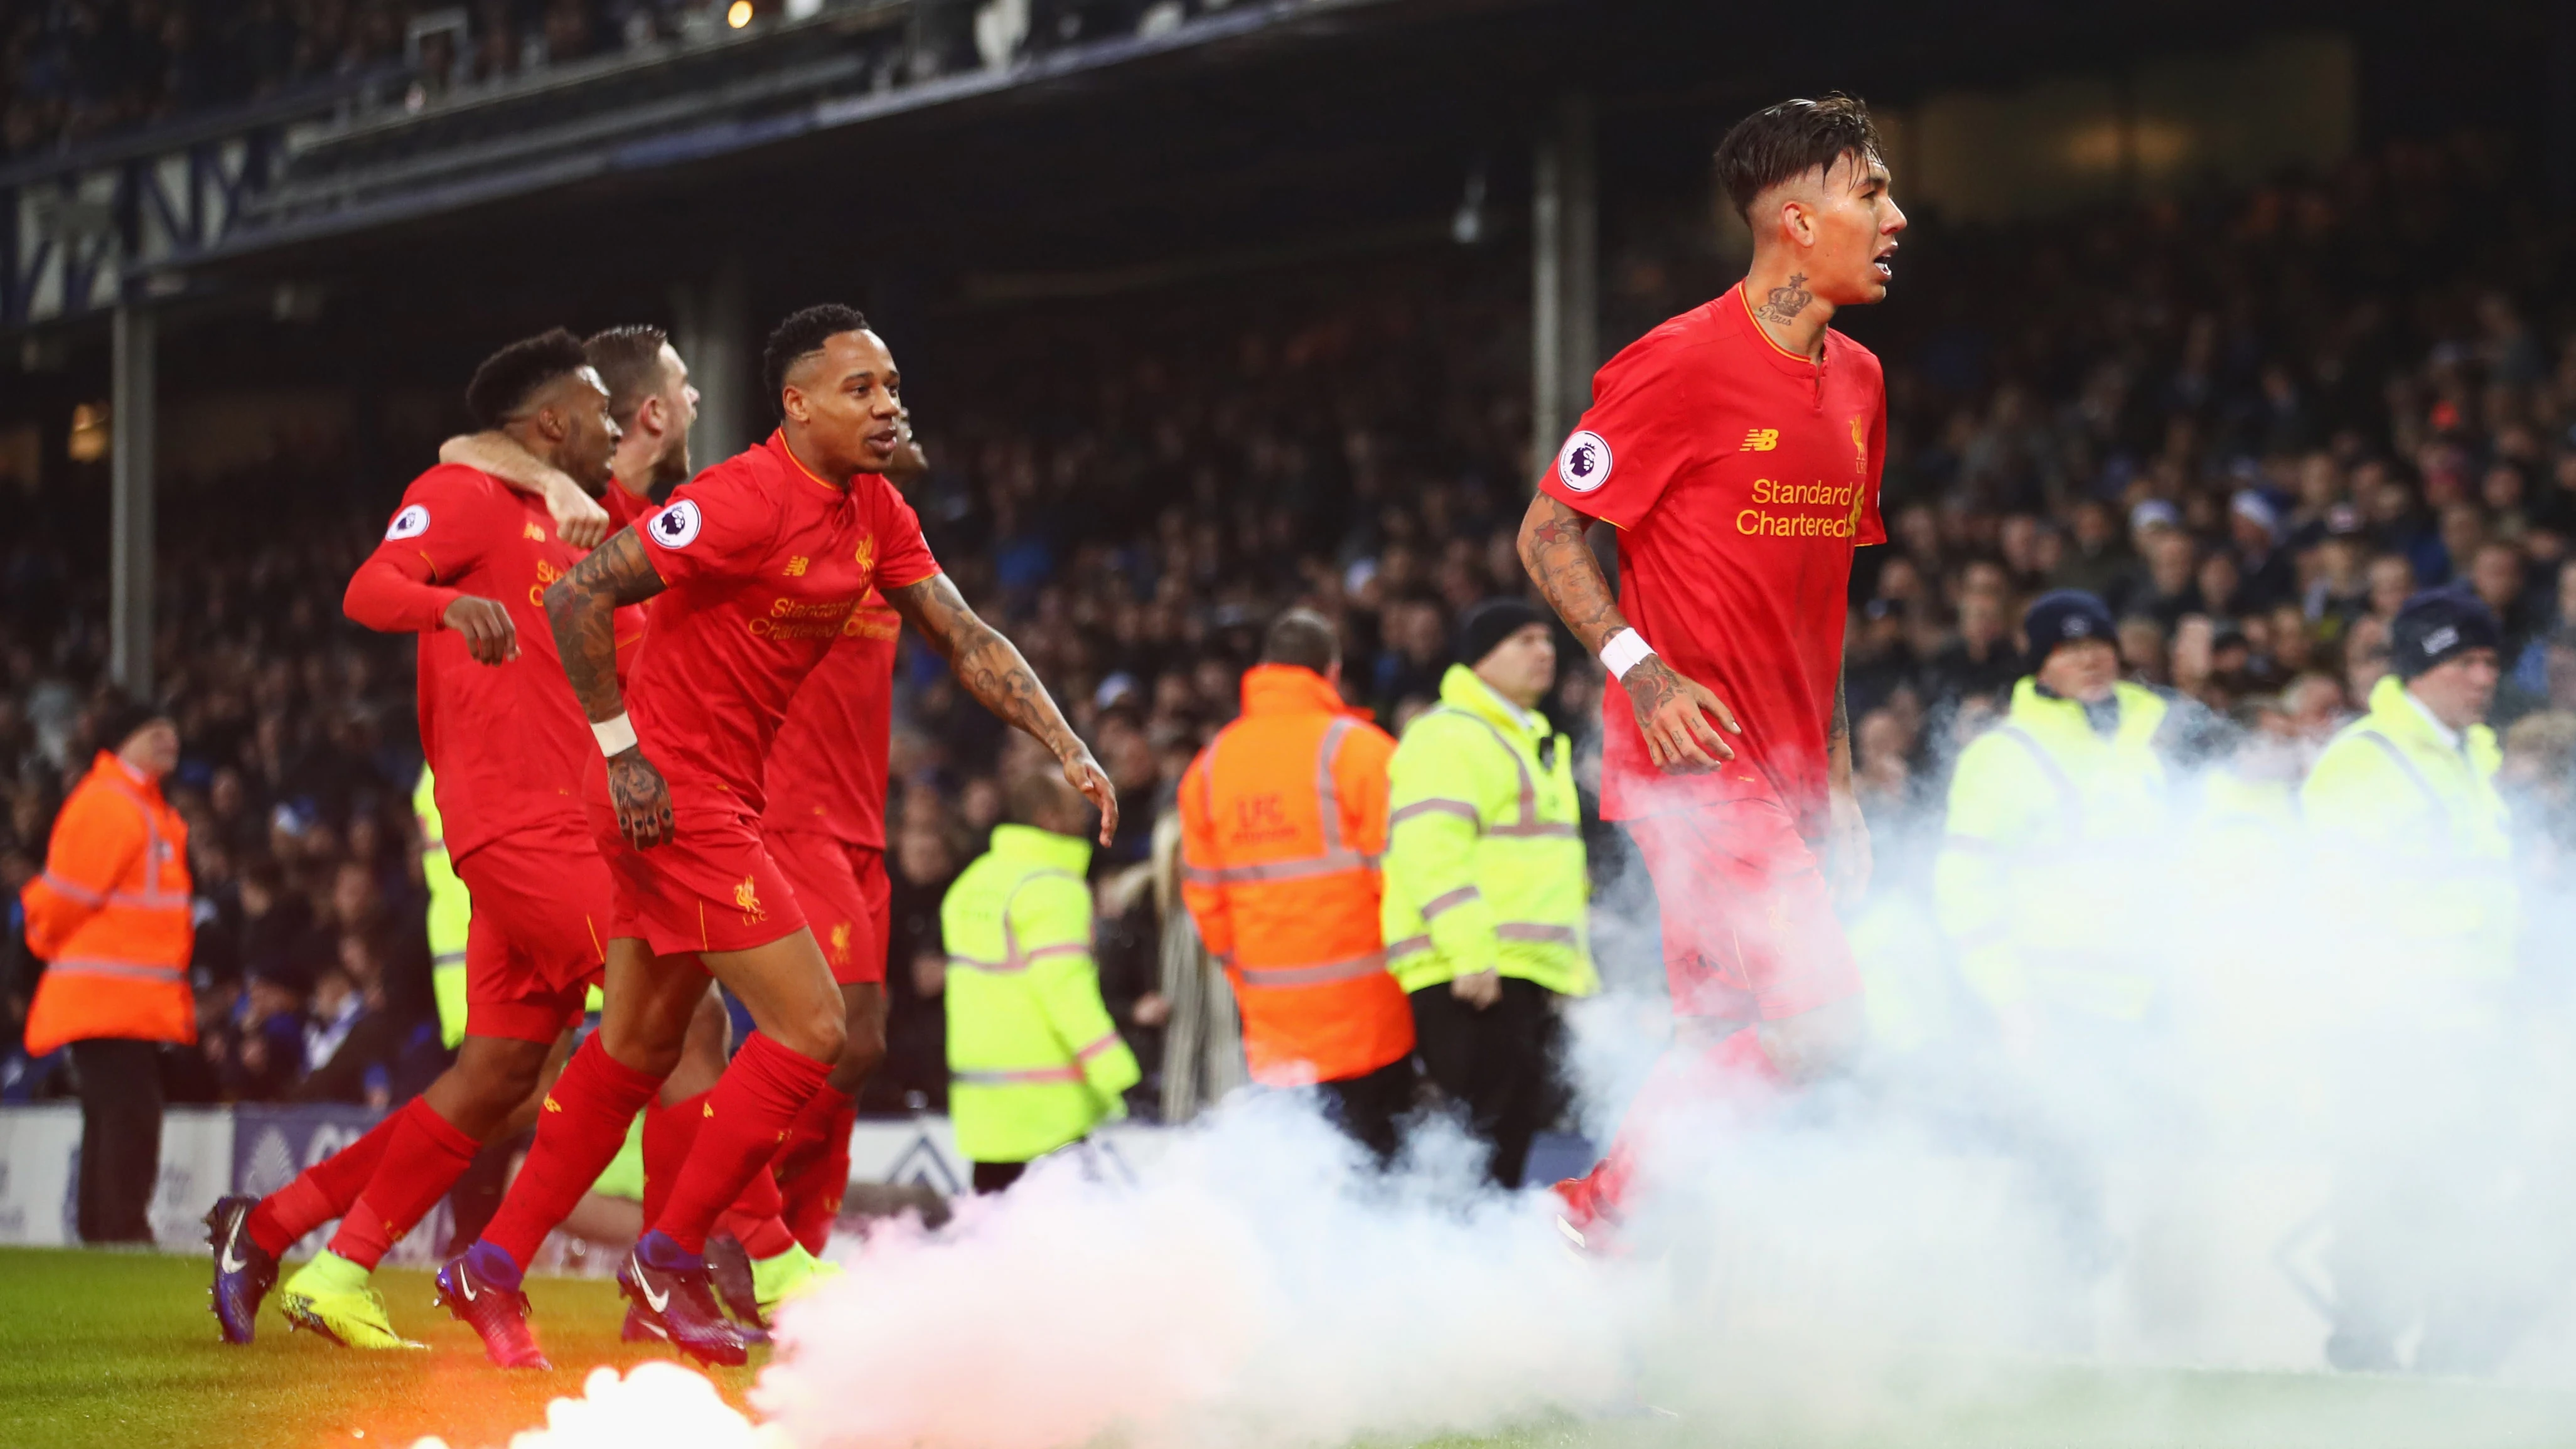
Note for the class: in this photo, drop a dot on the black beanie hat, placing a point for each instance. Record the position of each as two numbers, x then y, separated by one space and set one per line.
2436 625
1484 627
2062 616
112 723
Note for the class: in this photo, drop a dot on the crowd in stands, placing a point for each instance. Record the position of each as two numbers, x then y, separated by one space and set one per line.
2253 421
72 70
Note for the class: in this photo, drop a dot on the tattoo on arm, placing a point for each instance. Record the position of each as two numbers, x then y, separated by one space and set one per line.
581 608
1786 302
1559 559
989 665
1841 732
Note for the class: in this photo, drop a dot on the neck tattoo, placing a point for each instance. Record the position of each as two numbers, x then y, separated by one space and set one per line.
1784 303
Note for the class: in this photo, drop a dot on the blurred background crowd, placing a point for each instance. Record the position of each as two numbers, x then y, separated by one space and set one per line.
2253 421
74 71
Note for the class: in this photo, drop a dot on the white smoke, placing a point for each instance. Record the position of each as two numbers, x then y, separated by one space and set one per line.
1258 1287
1933 1252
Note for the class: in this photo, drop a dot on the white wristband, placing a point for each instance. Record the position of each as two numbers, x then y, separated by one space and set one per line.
615 736
1623 651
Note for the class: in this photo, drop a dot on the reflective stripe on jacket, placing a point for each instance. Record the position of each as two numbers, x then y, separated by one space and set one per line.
451 911
111 917
1283 817
2413 839
2036 880
1484 854
1034 1061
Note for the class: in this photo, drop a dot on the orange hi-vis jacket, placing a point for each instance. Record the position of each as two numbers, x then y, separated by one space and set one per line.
1283 817
111 916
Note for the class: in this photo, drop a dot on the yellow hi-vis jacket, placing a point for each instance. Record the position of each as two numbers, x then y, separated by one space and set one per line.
1034 1062
1484 854
2048 826
450 912
2413 840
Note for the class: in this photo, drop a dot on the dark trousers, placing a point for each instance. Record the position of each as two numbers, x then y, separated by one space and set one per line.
120 1097
1498 1065
1368 1106
995 1176
476 1197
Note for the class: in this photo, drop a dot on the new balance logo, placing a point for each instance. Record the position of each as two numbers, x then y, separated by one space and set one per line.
1761 440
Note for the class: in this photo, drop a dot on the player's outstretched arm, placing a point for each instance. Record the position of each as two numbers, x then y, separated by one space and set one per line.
1673 710
581 609
578 516
992 670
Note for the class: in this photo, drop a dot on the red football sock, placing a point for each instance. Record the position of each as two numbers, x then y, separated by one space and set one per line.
814 1191
745 1120
813 1129
428 1154
584 1123
1735 1068
754 1218
322 1193
670 1130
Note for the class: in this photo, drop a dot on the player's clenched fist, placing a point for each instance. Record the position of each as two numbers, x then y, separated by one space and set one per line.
642 801
1673 713
489 635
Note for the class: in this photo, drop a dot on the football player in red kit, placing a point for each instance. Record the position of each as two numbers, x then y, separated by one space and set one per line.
654 403
825 825
758 564
464 565
1737 449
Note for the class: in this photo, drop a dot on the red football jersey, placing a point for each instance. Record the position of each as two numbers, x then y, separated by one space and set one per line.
764 563
1740 476
827 769
507 743
624 508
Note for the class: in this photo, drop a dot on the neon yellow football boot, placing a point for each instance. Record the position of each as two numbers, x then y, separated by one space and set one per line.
337 1299
791 1274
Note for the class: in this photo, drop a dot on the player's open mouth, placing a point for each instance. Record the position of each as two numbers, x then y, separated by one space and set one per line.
1881 261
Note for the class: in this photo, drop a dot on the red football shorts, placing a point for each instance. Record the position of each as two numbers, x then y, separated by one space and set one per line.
538 935
843 891
713 887
1749 928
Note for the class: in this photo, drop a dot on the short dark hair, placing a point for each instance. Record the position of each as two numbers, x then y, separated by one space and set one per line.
802 334
1303 638
629 360
509 377
1040 797
1780 143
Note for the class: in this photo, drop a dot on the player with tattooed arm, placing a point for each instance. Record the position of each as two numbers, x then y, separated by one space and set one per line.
758 564
1737 450
464 565
824 827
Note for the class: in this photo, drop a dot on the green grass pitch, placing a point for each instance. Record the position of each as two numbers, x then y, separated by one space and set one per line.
117 1351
